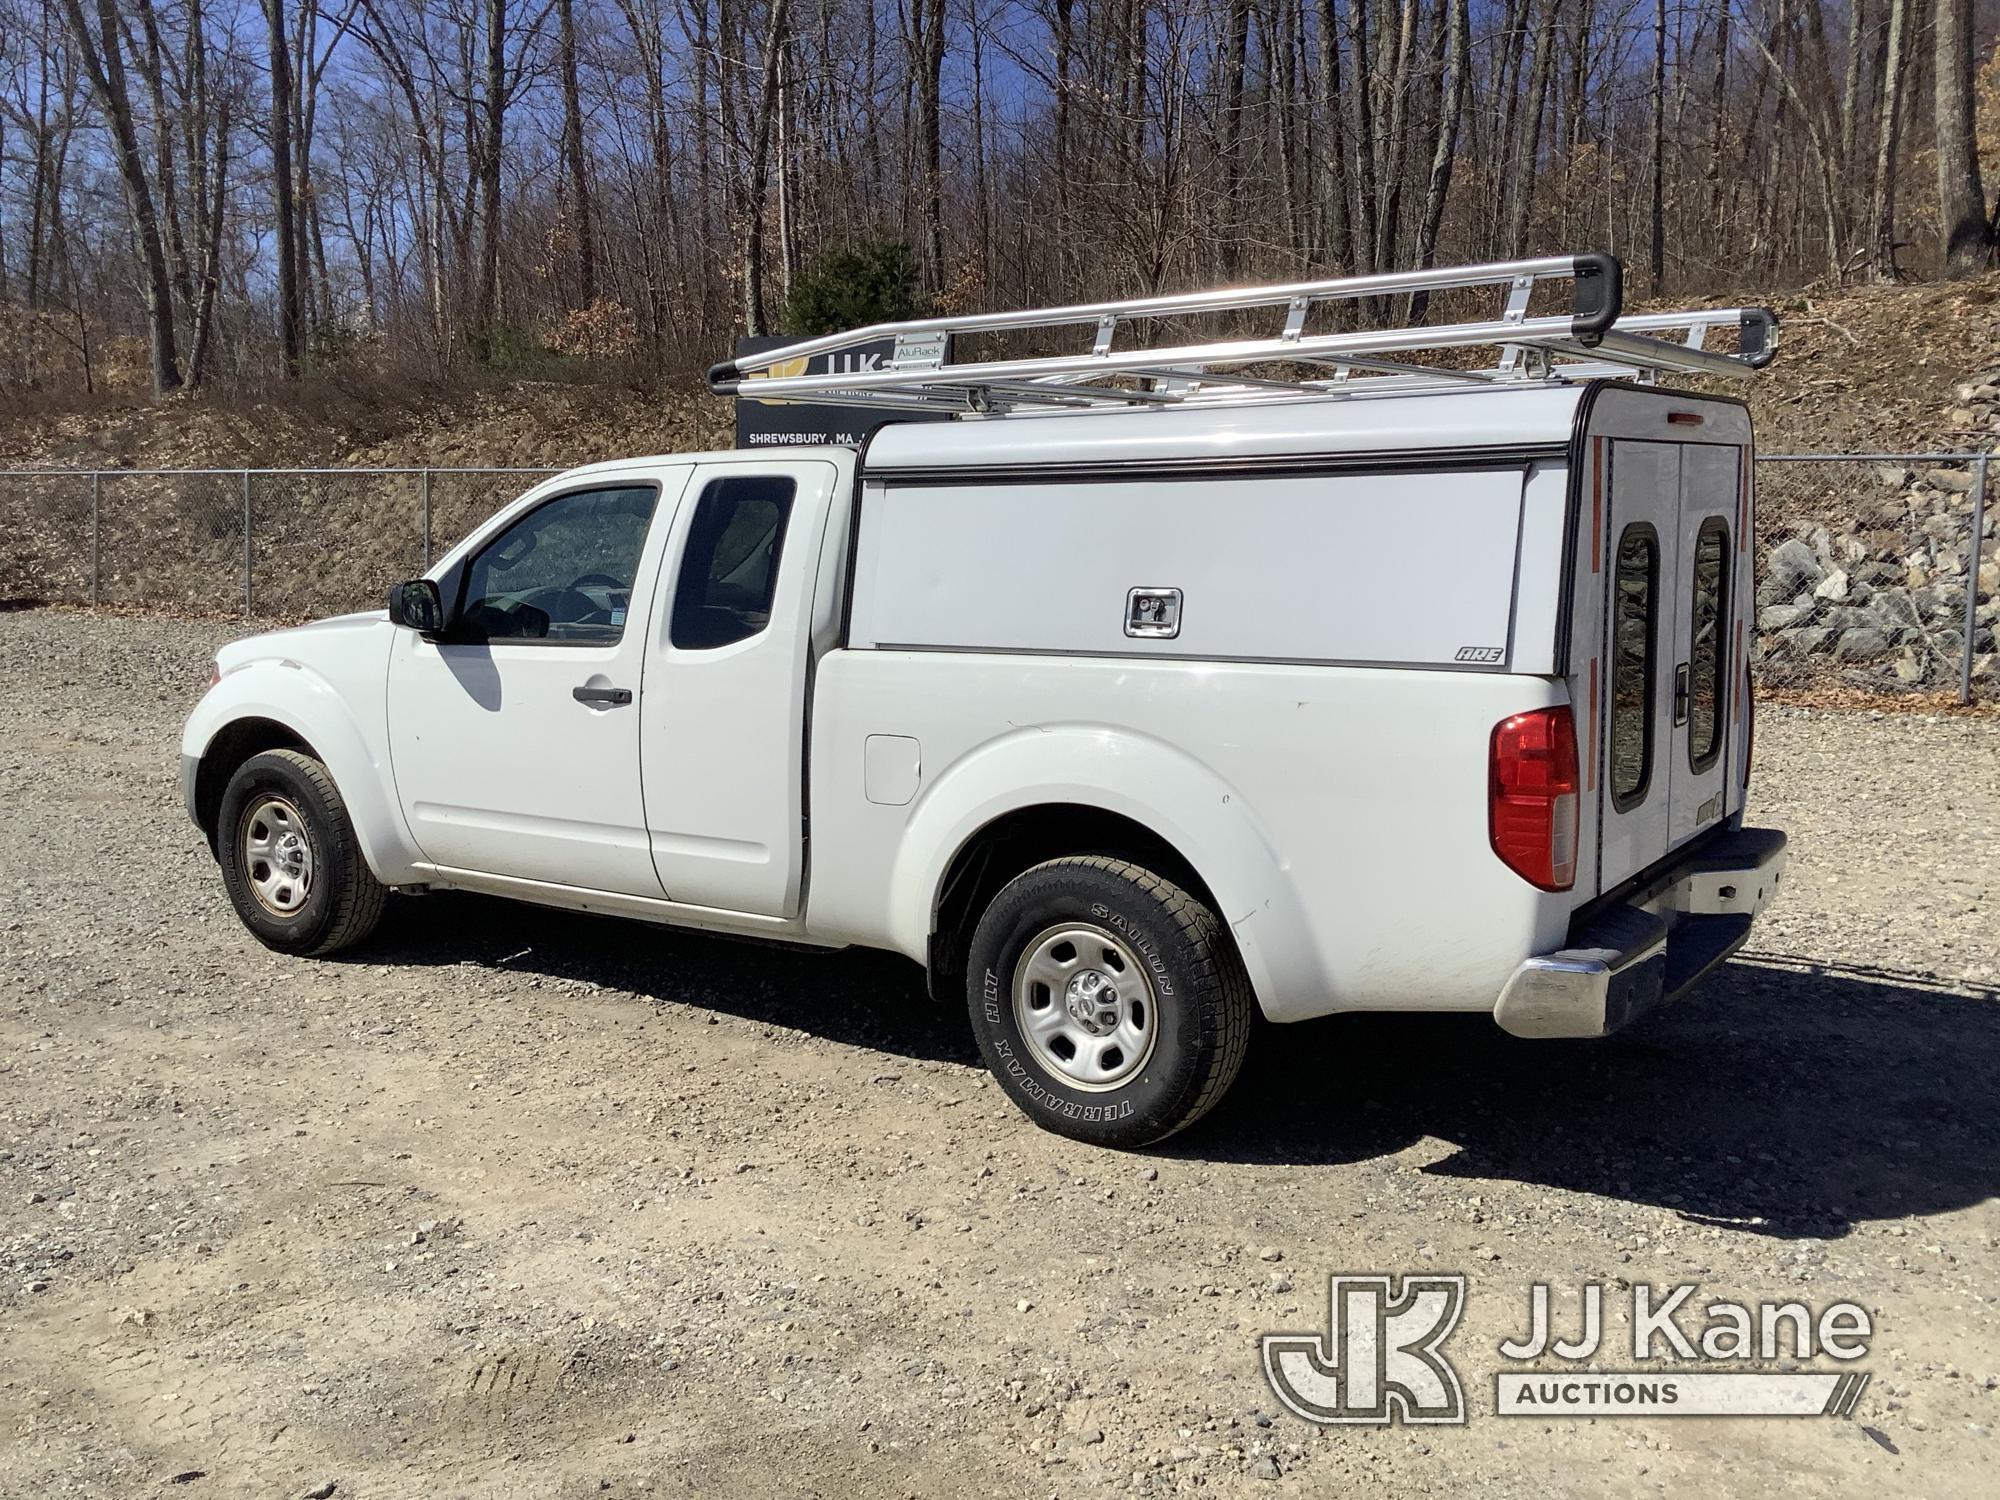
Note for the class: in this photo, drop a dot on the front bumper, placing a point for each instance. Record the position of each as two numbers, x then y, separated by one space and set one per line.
1644 951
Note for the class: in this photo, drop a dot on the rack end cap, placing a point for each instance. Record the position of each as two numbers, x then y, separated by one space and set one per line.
1599 296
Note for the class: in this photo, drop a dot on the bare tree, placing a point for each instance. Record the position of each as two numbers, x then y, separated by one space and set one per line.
291 304
1962 221
504 162
103 60
760 171
575 158
1882 208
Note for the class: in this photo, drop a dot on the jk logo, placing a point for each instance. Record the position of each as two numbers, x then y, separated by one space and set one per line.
1380 1360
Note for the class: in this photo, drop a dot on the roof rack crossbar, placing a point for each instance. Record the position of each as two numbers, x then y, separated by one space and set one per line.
1590 339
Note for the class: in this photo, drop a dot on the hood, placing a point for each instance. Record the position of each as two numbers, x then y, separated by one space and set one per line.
302 641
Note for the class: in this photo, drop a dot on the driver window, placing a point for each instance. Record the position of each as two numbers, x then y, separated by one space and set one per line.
563 572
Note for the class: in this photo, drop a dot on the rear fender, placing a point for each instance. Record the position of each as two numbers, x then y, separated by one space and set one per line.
1137 777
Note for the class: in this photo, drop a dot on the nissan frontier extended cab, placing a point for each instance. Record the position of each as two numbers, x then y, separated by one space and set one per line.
1169 682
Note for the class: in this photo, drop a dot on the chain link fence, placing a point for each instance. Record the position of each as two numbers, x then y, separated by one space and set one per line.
272 542
1876 572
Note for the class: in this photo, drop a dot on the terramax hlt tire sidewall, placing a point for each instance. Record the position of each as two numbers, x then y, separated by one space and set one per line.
1158 1101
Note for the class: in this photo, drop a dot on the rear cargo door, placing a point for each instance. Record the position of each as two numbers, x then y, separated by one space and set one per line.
1703 641
1642 547
1670 608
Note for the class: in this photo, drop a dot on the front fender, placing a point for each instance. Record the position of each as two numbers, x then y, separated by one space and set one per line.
1138 777
354 752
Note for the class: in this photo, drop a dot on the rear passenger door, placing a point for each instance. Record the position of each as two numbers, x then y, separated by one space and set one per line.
721 730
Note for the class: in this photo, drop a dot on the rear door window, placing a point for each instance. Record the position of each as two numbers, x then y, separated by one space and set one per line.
1635 589
1709 609
729 571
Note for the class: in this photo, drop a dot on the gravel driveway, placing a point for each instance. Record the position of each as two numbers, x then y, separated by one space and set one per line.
516 1202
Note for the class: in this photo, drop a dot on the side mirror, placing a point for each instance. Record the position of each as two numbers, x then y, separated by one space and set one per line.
417 606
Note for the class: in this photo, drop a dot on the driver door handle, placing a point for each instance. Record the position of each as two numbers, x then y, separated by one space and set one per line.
610 697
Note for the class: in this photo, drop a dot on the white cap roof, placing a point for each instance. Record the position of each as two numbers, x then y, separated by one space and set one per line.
1536 415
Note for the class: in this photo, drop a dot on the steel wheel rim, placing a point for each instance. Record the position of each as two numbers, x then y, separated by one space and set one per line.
1085 1007
277 856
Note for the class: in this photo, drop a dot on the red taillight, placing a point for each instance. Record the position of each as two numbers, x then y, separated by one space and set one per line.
1532 797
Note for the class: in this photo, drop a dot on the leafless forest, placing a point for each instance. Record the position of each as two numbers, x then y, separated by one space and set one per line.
251 191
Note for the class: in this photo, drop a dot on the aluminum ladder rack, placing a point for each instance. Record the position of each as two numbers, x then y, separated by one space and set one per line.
1591 340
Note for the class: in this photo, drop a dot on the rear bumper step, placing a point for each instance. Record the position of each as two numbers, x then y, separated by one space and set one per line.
1625 960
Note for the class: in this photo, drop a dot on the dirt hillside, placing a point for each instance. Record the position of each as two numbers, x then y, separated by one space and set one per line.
1859 368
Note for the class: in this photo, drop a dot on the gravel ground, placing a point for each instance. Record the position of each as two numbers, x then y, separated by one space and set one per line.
515 1202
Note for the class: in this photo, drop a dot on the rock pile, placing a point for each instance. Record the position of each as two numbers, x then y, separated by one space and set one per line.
1864 571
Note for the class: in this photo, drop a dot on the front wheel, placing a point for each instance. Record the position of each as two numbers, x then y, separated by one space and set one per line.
1108 1001
290 861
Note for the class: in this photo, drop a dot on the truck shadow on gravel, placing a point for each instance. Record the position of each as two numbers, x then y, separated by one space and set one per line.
1779 1098
853 997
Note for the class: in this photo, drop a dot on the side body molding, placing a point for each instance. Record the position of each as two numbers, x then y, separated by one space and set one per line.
1138 777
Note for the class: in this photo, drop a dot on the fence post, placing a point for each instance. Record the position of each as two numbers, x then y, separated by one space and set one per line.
96 529
1972 578
427 520
246 542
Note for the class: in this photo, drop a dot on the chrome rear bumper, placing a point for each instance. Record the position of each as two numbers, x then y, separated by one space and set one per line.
1625 960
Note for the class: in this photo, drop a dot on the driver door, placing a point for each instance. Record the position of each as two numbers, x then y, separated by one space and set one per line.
516 740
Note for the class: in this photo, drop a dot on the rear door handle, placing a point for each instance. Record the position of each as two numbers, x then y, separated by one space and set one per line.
610 697
1681 695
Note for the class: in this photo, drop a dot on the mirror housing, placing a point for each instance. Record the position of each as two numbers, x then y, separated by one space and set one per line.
417 606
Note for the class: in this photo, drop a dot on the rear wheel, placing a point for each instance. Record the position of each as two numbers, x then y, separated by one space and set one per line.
1108 1001
290 861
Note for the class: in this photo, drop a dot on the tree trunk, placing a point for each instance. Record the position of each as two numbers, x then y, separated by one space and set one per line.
1366 206
574 157
103 62
1230 133
1456 17
1717 102
291 311
1065 44
1521 197
760 175
1333 141
929 19
1658 248
211 248
1967 235
1882 211
492 118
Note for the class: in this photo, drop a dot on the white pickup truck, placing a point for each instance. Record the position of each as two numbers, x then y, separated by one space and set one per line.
1148 695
